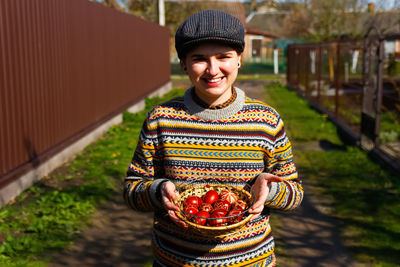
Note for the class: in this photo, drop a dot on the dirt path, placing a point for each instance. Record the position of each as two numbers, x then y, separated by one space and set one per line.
118 237
121 237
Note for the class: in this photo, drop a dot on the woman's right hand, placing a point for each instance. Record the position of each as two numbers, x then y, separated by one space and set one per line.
168 194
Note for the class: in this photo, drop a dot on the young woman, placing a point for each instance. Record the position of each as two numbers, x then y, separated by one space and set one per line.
214 133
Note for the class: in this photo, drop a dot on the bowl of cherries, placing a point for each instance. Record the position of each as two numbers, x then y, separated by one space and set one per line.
215 209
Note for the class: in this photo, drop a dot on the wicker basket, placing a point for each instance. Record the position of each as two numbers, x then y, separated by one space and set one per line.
215 231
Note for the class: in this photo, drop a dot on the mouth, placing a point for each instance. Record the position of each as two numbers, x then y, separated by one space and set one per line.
213 81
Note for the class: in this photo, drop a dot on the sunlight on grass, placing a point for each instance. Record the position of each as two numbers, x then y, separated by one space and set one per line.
365 196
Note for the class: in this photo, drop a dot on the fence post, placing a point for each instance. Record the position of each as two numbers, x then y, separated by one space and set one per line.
372 88
307 71
319 66
276 63
337 79
288 74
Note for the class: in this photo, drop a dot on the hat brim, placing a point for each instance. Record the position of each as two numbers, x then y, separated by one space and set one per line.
189 45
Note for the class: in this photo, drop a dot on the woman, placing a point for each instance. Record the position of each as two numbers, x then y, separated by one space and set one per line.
214 133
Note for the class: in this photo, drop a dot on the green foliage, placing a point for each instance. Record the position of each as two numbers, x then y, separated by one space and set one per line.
251 68
301 121
49 215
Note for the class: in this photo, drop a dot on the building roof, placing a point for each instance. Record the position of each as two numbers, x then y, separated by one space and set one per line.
272 22
269 23
258 32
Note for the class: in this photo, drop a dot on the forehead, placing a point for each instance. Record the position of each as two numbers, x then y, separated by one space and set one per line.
210 49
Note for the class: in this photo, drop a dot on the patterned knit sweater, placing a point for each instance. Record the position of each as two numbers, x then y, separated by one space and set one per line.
184 142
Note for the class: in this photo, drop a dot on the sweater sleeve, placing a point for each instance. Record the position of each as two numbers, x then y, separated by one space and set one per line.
288 194
143 180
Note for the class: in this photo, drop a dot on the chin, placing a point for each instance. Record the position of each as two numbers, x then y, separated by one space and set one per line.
216 91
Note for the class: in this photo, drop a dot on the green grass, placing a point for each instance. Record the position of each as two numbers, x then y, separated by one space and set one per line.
390 126
366 197
48 216
301 121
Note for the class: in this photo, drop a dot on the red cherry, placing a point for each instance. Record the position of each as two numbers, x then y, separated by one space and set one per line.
206 207
203 220
211 196
222 204
192 200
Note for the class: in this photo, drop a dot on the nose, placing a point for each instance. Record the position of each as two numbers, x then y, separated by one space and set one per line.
213 67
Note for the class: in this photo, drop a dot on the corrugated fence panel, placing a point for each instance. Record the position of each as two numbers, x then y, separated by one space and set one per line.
66 66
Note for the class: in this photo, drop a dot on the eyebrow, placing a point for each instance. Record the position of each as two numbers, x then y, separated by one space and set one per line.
217 54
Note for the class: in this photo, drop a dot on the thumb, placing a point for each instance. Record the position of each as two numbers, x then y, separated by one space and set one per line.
274 178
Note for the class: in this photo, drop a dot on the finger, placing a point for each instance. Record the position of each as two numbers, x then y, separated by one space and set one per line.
176 219
255 216
256 209
171 193
257 205
170 205
261 197
274 178
271 177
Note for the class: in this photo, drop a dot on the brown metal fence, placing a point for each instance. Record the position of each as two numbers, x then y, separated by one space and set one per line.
354 82
330 76
66 67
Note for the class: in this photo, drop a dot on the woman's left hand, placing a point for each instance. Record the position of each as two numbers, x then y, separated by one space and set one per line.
260 190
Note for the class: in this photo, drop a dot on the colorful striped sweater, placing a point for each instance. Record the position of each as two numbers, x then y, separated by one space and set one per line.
184 142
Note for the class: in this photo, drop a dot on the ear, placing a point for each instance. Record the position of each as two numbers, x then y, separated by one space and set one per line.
183 66
240 61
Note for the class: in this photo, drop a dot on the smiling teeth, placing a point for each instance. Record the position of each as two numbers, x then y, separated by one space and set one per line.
214 80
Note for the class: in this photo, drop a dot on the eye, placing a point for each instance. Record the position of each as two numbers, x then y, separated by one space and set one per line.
225 56
198 59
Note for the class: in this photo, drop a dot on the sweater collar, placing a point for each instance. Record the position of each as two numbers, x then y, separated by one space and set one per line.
214 114
200 102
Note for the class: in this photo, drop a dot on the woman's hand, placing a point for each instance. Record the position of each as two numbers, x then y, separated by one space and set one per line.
168 194
260 190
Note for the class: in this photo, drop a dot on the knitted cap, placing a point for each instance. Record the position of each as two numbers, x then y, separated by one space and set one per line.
209 26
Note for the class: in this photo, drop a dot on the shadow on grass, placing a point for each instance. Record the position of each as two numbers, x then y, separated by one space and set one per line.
379 246
364 197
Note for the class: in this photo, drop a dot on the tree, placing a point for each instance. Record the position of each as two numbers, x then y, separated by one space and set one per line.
110 3
324 20
146 9
298 23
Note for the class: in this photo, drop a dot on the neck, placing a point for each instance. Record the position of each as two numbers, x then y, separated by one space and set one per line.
215 101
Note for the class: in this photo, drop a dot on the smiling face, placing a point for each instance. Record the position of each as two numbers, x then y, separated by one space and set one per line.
212 68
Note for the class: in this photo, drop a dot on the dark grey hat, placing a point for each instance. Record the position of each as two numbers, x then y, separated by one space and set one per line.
209 26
